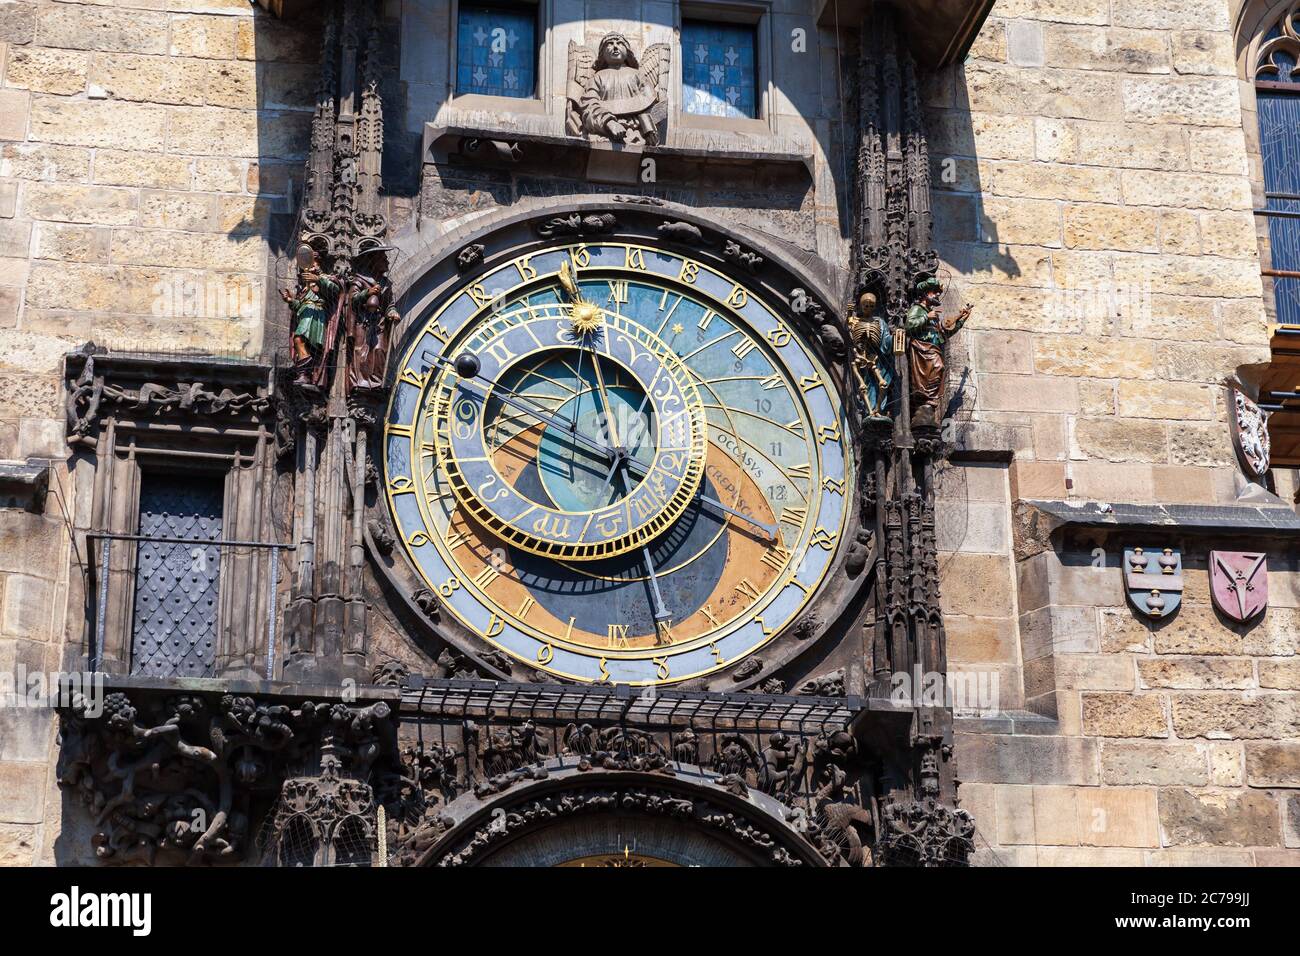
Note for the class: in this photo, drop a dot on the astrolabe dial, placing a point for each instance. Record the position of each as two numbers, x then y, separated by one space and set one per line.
567 442
616 464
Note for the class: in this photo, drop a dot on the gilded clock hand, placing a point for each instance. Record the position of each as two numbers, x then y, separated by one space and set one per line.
769 529
661 614
467 366
610 424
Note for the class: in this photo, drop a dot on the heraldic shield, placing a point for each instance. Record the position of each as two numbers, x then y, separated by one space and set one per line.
1153 578
1239 583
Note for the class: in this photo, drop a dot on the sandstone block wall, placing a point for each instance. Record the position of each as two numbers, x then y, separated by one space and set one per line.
1097 212
145 151
149 152
1095 204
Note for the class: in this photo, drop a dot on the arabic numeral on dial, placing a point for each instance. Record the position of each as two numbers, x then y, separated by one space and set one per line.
776 492
763 405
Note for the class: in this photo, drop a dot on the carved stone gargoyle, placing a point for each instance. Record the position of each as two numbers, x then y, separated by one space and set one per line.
614 95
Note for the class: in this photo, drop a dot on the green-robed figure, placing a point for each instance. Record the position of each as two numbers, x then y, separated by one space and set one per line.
312 303
927 336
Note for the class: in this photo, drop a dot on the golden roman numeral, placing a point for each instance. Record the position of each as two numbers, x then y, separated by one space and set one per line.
485 577
525 606
775 557
747 589
809 382
618 635
618 290
771 382
411 377
794 516
803 471
742 348
703 324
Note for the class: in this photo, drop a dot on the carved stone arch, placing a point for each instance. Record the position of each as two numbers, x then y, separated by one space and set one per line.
1255 20
565 818
427 267
795 282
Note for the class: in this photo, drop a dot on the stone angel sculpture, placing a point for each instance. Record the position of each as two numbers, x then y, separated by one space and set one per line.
613 94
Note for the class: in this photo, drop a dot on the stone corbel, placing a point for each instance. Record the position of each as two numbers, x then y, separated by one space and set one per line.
24 485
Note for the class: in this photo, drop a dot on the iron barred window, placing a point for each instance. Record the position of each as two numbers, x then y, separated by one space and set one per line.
175 617
719 72
496 49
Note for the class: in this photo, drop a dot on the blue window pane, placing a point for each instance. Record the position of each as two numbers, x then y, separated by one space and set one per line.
718 69
1279 136
496 50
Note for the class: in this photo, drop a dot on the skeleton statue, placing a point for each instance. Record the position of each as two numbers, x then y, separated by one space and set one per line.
615 95
927 336
873 362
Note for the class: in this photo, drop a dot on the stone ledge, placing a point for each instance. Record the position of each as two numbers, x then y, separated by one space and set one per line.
1035 521
24 485
219 685
1008 722
501 145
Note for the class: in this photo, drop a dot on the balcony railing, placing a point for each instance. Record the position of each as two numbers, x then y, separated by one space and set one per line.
182 607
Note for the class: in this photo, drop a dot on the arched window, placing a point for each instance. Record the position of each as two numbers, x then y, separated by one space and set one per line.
1268 49
1277 94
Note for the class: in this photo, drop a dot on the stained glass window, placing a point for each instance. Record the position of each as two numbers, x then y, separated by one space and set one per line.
1279 134
719 75
496 49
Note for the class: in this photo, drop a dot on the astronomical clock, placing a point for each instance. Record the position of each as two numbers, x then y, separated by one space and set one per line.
616 463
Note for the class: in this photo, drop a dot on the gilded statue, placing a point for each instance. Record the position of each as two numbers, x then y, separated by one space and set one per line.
928 332
616 95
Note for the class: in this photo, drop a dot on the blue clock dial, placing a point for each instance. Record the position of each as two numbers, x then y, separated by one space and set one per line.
644 480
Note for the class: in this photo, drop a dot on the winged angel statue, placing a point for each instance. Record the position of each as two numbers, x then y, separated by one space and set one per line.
613 94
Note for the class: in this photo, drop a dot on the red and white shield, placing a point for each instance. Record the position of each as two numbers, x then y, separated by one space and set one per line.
1239 583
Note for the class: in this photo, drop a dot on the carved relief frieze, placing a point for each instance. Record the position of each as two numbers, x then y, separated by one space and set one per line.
170 776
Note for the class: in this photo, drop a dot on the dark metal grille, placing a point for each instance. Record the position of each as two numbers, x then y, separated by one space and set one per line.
175 616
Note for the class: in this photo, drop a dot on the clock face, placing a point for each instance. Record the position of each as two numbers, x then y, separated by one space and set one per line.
616 464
